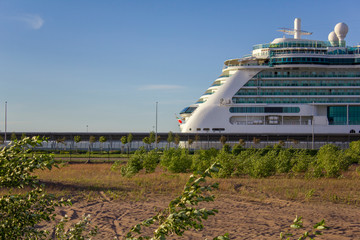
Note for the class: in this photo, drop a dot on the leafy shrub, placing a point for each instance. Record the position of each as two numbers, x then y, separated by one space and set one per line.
17 166
80 230
151 160
330 161
116 165
213 152
263 166
227 162
135 163
265 150
167 156
301 161
283 161
226 148
176 160
202 159
237 149
354 151
243 162
20 213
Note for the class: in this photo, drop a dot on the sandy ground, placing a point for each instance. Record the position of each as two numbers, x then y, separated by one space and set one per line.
243 218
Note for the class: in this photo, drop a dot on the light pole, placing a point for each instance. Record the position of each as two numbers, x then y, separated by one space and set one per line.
87 128
313 132
156 122
5 121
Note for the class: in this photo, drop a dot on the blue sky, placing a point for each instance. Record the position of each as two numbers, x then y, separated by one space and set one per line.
68 64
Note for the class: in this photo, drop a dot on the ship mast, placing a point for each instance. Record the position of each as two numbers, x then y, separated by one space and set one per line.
297 32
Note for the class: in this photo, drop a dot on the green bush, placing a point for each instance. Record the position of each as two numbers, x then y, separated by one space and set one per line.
354 151
227 161
135 163
165 160
263 166
176 160
243 162
202 159
300 161
283 161
330 161
21 213
151 160
226 148
237 149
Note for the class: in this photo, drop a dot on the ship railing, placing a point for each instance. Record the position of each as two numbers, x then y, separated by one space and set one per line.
243 64
260 46
294 44
268 123
246 56
300 54
308 75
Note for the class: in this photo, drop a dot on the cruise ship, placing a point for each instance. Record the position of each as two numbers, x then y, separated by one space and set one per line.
291 85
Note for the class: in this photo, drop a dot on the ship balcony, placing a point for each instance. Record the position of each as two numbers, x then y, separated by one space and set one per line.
213 88
223 76
201 100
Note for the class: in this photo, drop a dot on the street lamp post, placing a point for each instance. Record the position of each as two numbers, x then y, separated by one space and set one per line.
156 123
312 130
5 121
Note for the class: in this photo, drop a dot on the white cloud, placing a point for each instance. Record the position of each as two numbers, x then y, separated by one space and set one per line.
33 21
160 87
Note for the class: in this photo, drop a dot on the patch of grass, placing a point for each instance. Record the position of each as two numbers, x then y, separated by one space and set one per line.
87 180
342 190
82 178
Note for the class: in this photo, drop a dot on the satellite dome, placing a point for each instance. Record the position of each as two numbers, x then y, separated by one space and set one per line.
341 29
332 37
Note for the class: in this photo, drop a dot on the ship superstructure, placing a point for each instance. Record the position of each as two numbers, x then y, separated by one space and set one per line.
291 85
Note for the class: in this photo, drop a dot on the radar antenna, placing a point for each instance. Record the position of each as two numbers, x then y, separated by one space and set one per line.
297 32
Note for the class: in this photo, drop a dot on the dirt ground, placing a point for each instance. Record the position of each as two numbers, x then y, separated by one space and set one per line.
242 218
